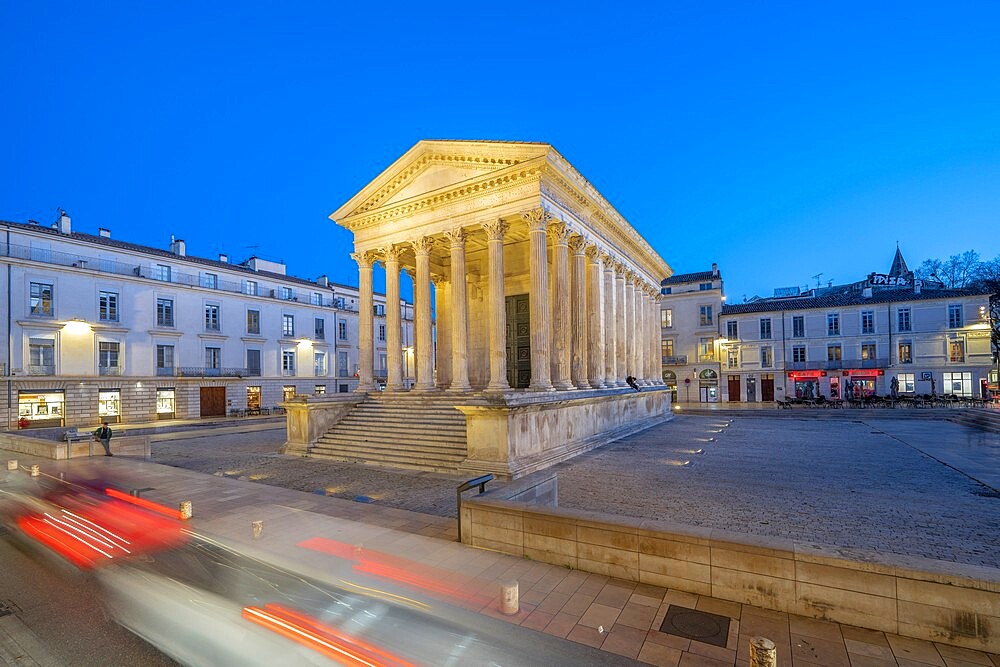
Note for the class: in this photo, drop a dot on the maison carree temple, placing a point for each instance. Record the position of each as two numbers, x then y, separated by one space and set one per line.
534 299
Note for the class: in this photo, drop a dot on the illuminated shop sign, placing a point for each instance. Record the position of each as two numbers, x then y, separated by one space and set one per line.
881 279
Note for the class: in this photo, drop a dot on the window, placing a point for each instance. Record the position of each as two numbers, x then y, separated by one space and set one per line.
732 330
107 306
381 332
833 324
342 364
212 317
253 363
704 315
288 392
379 310
799 353
161 272
798 327
250 287
319 363
959 384
210 280
766 357
41 356
905 353
107 358
213 357
665 290
286 293
907 382
287 325
319 389
41 300
288 362
867 322
834 353
706 349
954 316
342 330
316 299
733 358
382 366
704 286
253 322
765 328
667 347
868 350
339 302
320 328
956 351
666 318
903 319
164 312
253 397
164 359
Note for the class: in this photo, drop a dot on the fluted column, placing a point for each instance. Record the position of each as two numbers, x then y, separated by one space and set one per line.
497 306
393 351
366 322
561 317
538 220
595 318
423 334
459 312
629 324
578 351
655 334
620 324
610 328
641 338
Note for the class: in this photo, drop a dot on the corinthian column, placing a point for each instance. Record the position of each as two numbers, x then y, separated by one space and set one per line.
538 306
578 352
459 313
641 336
620 324
393 351
424 331
366 321
497 307
610 328
631 333
655 334
561 334
595 318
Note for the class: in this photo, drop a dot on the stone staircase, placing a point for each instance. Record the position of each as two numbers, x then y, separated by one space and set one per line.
402 430
987 419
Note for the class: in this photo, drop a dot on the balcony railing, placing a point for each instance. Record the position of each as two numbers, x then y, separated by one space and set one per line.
677 360
208 372
166 371
41 370
109 370
836 364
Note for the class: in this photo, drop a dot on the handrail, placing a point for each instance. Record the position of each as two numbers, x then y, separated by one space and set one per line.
465 486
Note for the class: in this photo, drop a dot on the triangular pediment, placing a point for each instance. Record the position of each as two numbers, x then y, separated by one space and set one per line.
433 165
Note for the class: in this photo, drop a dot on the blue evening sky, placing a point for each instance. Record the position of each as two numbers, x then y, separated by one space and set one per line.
779 140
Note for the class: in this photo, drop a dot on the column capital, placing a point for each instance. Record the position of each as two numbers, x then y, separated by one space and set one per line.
495 229
578 244
456 237
438 279
365 259
559 232
608 259
619 269
537 219
593 253
391 253
422 245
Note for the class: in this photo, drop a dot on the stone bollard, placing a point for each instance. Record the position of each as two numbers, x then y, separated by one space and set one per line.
11 464
258 529
185 509
35 470
763 653
509 598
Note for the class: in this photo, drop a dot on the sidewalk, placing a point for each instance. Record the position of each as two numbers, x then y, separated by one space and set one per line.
619 617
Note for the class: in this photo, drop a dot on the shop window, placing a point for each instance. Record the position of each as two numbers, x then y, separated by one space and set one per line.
166 403
907 383
253 398
40 409
109 405
287 392
959 384
319 390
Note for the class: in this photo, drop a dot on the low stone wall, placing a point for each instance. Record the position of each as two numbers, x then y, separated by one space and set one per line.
128 445
915 597
309 417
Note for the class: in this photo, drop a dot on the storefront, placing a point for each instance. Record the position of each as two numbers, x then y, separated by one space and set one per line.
166 403
39 409
862 383
708 386
109 405
670 379
806 384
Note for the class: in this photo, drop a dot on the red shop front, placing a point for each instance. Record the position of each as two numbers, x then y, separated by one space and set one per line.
861 383
806 384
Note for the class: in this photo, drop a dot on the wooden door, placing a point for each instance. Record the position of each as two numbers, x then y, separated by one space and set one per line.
518 341
213 401
767 387
734 388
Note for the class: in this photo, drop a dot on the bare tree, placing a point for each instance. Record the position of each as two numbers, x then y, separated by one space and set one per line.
956 272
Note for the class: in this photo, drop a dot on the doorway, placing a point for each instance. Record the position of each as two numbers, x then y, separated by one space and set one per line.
734 388
213 401
751 389
767 387
518 341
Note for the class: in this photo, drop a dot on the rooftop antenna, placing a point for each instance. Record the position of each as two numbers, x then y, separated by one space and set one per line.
816 277
829 283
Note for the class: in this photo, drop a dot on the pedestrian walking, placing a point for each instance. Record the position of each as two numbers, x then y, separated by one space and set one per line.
103 434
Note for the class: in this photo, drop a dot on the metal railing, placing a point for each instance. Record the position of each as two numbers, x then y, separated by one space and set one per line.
835 364
109 370
208 372
43 369
465 486
677 360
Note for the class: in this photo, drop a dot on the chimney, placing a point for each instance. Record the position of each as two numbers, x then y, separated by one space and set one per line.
105 233
223 258
323 280
867 293
715 270
177 246
917 284
64 223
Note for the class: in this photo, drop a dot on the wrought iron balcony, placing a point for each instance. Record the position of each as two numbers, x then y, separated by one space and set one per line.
109 370
677 360
41 370
835 364
207 372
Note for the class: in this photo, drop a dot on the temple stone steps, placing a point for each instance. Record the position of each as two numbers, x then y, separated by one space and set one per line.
403 430
987 419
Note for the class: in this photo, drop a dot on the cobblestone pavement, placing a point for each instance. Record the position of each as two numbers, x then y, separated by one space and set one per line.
850 484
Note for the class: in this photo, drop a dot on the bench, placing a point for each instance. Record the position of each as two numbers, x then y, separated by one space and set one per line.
73 436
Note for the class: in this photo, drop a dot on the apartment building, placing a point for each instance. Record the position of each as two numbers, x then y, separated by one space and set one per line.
101 329
690 304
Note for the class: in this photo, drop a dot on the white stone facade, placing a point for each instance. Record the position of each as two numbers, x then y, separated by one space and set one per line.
690 304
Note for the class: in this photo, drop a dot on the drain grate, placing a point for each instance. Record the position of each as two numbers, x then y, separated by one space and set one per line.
700 626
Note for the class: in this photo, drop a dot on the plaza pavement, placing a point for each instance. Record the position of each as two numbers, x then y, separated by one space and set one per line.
619 617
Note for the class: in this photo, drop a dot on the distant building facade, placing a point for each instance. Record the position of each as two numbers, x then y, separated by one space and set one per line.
690 305
100 329
853 339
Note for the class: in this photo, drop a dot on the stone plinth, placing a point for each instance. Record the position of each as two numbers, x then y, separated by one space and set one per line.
521 432
309 417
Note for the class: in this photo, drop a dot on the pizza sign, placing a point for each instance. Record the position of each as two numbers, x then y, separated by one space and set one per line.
889 281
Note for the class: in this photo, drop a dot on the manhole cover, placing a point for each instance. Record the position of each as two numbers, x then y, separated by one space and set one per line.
697 625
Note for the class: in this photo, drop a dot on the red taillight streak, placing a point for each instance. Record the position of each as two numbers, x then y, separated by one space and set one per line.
142 502
44 533
118 540
73 532
306 638
85 532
